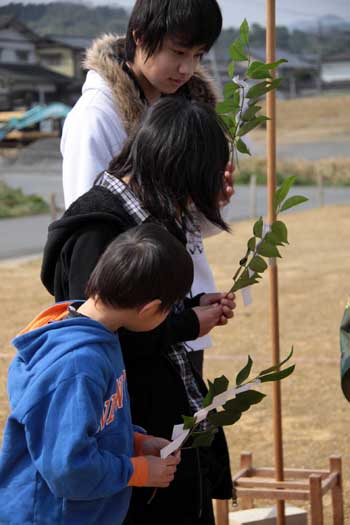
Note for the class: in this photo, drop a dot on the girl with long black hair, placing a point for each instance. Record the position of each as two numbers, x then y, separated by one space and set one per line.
173 162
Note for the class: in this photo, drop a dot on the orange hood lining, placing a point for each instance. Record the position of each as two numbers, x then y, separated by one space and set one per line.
56 312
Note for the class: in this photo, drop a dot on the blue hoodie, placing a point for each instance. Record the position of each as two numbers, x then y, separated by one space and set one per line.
69 438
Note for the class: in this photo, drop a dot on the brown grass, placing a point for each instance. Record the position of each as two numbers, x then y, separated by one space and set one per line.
313 285
311 119
333 171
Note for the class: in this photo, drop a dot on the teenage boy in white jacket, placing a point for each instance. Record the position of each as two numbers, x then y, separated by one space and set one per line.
161 54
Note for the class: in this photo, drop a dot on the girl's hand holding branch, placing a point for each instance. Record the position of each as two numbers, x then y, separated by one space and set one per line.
228 185
215 310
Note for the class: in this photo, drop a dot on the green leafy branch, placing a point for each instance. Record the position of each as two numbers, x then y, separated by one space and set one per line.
239 109
233 409
260 246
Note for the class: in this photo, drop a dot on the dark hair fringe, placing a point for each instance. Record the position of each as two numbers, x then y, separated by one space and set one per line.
140 265
192 22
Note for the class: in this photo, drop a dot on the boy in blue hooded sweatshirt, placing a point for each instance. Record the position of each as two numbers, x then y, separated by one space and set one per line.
70 453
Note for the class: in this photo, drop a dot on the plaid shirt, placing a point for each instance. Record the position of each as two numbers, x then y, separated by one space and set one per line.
178 352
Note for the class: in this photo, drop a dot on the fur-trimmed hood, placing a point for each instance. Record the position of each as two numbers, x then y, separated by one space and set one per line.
105 57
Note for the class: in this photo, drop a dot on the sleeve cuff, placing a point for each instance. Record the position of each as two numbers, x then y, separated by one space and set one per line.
139 438
139 477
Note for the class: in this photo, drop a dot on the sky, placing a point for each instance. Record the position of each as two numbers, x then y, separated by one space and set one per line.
287 11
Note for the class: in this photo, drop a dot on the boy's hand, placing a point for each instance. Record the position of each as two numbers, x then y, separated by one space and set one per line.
161 471
152 446
227 301
228 185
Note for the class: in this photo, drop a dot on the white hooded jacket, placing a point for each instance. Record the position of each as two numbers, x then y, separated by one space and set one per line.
98 125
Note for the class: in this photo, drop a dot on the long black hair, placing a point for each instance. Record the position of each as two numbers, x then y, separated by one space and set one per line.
192 22
177 156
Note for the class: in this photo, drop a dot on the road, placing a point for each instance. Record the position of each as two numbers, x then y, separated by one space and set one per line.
38 171
27 235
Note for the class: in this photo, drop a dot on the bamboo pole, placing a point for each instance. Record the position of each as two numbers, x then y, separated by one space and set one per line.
273 273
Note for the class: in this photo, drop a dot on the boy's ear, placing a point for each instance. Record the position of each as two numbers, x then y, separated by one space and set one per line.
149 308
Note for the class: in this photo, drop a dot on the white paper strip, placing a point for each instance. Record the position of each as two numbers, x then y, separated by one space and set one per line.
174 445
246 296
218 401
177 430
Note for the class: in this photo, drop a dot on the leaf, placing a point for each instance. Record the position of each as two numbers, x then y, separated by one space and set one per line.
243 283
272 238
203 439
258 228
277 376
293 201
251 112
231 70
279 365
229 89
257 90
248 126
264 87
220 385
244 32
227 106
244 373
251 244
223 418
242 402
227 119
274 65
282 192
268 250
210 395
258 70
242 147
237 51
257 264
189 422
279 229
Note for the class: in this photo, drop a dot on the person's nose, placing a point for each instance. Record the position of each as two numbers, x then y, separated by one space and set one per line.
187 67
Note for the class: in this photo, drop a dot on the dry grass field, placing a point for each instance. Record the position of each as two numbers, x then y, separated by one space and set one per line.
314 287
311 119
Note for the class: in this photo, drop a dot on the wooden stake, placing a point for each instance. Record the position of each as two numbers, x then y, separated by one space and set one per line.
316 499
337 491
274 314
222 515
246 463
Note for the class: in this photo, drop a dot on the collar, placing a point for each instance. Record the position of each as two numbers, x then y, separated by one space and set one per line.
130 202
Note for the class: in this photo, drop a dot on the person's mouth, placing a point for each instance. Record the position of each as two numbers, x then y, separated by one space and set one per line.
176 81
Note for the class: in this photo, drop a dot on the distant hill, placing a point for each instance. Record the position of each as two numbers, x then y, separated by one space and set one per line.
77 19
324 23
68 18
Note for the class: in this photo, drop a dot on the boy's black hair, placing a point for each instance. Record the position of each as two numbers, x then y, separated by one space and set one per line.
177 156
140 265
192 22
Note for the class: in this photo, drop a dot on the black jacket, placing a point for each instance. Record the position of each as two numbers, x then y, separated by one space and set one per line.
158 397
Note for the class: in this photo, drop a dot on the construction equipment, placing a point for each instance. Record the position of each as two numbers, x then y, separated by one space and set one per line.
35 115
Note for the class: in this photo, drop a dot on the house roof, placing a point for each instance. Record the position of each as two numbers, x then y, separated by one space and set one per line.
32 72
78 43
294 61
8 21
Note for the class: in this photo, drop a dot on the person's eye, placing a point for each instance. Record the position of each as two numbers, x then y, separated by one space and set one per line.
199 56
177 52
